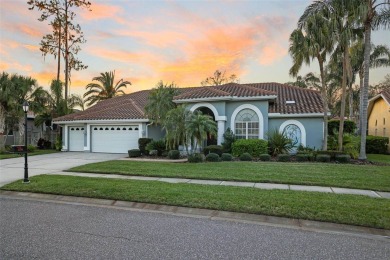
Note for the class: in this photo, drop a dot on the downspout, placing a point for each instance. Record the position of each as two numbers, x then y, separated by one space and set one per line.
146 130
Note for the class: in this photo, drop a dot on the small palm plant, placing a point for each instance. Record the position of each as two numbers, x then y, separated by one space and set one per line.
199 126
279 143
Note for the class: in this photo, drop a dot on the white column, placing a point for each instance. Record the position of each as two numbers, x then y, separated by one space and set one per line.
221 131
65 138
88 136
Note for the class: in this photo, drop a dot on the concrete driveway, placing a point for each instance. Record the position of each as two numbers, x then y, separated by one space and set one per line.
13 169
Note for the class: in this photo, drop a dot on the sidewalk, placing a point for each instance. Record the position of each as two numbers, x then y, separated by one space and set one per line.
266 186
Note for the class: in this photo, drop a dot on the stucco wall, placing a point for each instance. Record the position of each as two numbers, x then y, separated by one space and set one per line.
155 132
379 119
313 128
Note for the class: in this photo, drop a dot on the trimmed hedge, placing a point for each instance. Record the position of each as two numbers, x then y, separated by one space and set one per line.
196 158
302 157
226 157
218 149
332 154
333 126
323 158
142 142
156 145
255 147
212 157
265 157
343 158
134 153
377 144
283 157
173 154
245 157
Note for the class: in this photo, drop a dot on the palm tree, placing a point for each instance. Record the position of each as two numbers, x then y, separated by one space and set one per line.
106 89
76 101
199 126
175 125
375 13
160 102
312 41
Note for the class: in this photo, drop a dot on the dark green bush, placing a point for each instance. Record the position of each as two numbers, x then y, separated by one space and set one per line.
255 147
265 157
377 144
213 149
212 157
323 158
245 157
279 143
173 154
196 158
134 153
302 157
283 157
333 126
343 158
228 139
156 145
142 142
332 154
226 157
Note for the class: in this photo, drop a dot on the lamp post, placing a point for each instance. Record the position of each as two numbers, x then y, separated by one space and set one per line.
25 109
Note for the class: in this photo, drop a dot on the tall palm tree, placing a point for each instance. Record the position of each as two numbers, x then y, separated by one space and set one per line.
175 125
160 102
106 89
312 41
375 13
199 126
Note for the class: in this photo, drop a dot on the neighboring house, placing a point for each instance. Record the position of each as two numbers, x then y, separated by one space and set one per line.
379 115
249 110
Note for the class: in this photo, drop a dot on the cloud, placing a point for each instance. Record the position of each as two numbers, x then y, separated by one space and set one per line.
102 11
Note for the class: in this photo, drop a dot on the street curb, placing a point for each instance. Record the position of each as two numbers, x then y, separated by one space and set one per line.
300 224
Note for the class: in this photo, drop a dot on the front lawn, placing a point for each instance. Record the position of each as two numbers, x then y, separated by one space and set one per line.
320 174
36 152
383 158
345 209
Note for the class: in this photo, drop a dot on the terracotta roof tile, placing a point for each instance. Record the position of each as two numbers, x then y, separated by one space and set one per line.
386 94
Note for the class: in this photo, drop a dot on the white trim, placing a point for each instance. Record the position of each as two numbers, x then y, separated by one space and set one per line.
257 111
102 122
228 98
279 115
297 123
212 108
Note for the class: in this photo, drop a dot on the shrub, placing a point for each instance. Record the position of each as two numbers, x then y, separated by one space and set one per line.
229 138
174 154
142 142
213 149
323 158
255 147
153 152
196 158
134 153
31 148
245 157
156 145
333 126
226 157
302 157
343 158
47 144
212 157
304 150
58 144
332 154
377 144
283 157
279 142
265 157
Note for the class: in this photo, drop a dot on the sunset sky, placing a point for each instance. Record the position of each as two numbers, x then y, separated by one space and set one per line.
181 41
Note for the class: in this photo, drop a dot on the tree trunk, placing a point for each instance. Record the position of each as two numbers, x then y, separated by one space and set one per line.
350 102
66 51
361 76
343 94
364 91
59 51
324 105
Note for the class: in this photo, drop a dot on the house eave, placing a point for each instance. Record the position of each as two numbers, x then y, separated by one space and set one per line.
279 115
101 121
230 98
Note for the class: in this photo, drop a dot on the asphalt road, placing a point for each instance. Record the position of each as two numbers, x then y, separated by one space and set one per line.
31 229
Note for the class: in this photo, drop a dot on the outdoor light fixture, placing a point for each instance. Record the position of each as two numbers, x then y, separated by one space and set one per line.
25 109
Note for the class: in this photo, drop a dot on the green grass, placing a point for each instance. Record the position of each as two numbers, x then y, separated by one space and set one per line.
345 209
383 158
36 152
320 174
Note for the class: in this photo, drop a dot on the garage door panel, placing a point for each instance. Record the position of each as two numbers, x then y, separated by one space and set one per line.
114 138
76 138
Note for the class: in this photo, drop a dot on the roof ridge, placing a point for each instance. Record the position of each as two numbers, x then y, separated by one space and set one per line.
216 90
137 107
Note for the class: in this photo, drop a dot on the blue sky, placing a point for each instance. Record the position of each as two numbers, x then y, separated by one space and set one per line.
180 41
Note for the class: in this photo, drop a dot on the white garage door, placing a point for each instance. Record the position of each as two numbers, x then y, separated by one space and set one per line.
76 138
114 138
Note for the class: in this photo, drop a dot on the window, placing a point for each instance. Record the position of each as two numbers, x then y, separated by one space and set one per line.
376 122
384 121
293 132
247 124
95 128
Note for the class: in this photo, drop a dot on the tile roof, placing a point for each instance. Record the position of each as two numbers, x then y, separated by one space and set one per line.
131 106
386 94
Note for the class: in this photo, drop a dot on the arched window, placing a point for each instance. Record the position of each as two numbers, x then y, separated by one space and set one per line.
246 124
293 132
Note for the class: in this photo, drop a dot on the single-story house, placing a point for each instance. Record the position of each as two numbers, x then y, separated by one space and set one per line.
379 115
249 110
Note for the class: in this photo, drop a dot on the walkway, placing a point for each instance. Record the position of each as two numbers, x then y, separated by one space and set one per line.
266 186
